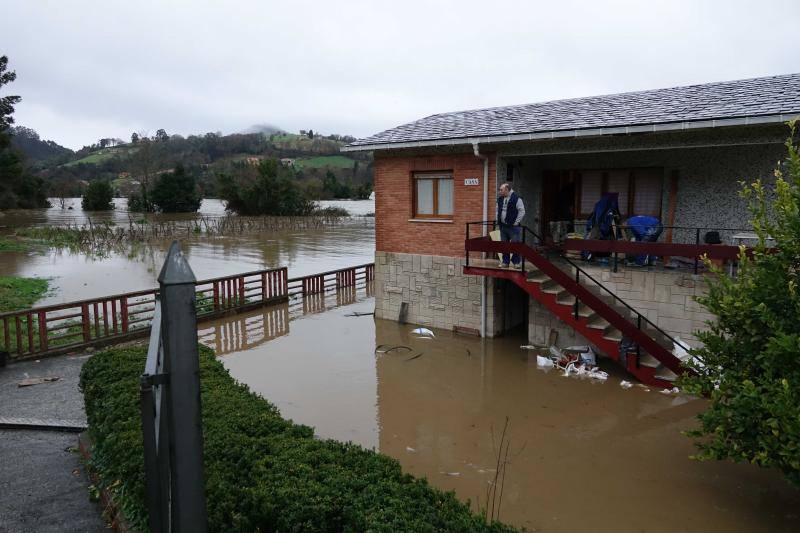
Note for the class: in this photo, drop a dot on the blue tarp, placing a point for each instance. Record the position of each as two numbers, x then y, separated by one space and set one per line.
644 229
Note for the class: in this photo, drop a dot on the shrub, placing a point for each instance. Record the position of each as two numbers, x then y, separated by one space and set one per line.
751 354
176 192
262 473
98 196
266 190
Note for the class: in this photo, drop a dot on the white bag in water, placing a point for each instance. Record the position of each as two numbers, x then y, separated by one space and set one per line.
544 362
423 332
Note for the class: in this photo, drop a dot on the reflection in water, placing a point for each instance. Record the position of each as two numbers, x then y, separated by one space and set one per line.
77 276
585 455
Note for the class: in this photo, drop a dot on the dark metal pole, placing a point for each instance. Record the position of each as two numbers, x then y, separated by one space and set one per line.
522 256
577 302
466 251
179 332
697 242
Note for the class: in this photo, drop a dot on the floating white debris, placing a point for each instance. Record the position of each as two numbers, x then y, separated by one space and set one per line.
409 449
544 362
451 474
423 332
626 384
673 390
530 347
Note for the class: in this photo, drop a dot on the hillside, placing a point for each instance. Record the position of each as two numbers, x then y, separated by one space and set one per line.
37 151
311 156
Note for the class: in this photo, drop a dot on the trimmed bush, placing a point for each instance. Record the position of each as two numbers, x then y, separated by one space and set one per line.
263 473
98 196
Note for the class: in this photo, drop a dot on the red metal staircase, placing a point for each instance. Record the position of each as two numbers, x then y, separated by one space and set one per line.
587 306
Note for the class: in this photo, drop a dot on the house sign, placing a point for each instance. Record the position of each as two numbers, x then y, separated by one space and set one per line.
472 181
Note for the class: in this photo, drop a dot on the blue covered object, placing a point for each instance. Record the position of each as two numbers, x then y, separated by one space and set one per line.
603 222
644 229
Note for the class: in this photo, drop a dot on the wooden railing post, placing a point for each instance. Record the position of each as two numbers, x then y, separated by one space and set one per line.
87 336
43 330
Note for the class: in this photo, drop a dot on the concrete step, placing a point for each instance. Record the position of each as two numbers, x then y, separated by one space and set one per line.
537 276
666 374
599 323
649 361
551 287
612 334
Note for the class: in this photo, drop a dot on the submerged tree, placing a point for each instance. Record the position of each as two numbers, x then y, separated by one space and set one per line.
750 366
269 190
98 196
176 192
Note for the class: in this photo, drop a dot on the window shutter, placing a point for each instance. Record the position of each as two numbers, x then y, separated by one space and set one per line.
619 182
591 190
647 192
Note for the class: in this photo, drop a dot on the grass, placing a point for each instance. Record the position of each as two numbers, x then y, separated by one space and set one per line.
12 245
98 156
329 161
21 293
262 473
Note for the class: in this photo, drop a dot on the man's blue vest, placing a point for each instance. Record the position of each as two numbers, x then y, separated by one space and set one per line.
511 209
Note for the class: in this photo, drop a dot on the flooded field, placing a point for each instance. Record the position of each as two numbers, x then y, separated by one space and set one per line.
77 276
584 456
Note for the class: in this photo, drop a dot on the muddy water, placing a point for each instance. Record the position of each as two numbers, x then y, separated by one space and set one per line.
584 456
77 276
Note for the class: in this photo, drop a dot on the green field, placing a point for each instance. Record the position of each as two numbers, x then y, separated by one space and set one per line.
328 161
98 157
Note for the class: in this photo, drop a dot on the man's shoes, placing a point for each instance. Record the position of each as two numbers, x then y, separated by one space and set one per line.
502 265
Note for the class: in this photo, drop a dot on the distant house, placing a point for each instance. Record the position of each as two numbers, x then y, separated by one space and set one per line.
287 162
677 154
255 161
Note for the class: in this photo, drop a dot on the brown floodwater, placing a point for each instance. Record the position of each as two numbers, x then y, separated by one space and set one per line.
584 455
77 275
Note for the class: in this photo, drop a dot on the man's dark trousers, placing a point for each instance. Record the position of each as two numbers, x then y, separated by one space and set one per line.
510 234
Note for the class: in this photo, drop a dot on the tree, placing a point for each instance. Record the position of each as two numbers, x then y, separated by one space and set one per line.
749 364
267 190
310 134
134 138
98 196
176 192
161 135
17 187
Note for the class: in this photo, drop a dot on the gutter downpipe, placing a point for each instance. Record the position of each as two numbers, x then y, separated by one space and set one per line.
476 151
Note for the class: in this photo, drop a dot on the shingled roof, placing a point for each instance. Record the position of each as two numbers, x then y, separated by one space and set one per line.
741 102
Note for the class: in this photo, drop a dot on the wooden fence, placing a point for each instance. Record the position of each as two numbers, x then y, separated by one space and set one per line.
67 327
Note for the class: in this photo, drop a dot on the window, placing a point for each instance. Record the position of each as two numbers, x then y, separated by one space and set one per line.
433 195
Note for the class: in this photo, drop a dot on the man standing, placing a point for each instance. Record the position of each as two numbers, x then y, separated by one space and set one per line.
510 211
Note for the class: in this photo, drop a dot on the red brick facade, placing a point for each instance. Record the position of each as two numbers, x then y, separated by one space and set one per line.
394 230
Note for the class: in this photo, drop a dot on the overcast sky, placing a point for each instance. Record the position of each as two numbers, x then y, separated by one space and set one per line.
87 70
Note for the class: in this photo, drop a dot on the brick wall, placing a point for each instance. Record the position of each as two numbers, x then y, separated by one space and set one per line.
394 232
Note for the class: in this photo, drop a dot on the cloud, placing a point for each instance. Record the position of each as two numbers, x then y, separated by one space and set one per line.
96 69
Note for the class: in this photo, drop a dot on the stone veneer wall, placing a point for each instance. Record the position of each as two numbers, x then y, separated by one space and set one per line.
667 298
438 293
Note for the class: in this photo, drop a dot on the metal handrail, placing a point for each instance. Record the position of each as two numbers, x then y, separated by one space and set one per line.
578 272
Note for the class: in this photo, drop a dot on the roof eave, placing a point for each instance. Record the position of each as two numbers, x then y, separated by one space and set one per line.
587 132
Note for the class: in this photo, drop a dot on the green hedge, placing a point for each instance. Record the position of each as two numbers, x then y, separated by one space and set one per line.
263 473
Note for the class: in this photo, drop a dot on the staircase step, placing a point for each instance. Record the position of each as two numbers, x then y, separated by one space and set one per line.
599 323
612 334
537 276
551 287
648 360
565 298
666 374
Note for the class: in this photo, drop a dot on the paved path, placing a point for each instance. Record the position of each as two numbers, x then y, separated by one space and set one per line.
43 485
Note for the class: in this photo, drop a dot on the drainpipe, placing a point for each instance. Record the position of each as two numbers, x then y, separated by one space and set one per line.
485 158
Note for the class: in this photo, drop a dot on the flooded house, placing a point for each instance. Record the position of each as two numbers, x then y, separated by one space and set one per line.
674 155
